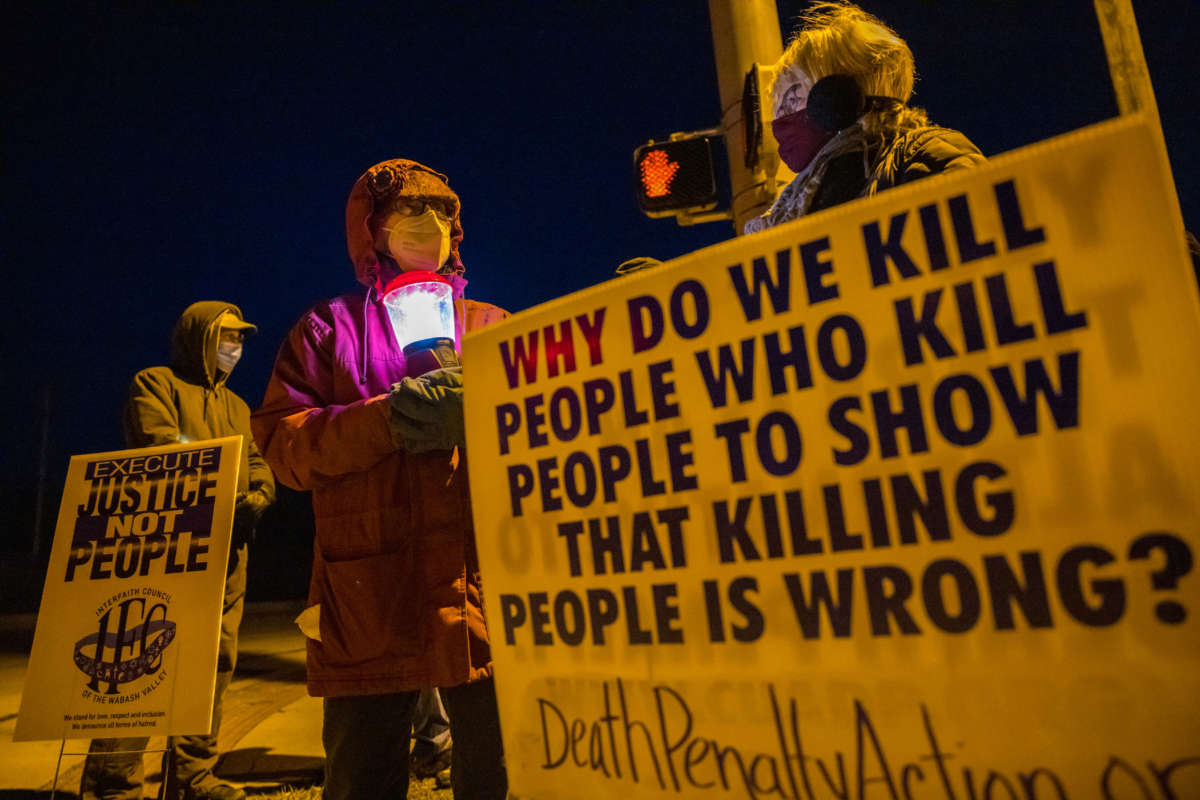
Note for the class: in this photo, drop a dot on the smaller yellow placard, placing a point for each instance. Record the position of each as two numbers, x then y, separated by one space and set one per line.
128 629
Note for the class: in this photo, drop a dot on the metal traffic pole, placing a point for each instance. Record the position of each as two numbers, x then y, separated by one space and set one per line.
746 37
1131 78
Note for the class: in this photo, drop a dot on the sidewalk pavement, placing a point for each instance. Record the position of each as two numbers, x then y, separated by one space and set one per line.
270 736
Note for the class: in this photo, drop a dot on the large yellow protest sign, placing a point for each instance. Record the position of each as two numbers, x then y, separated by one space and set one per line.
128 627
899 500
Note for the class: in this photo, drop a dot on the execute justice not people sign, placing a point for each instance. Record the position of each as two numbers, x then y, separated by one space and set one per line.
127 632
895 501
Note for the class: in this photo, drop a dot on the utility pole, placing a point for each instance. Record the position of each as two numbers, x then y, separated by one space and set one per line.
1126 63
1131 77
746 37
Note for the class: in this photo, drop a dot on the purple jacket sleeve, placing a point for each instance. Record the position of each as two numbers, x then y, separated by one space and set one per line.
308 440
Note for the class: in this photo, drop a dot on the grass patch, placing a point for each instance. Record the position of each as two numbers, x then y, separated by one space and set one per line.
418 789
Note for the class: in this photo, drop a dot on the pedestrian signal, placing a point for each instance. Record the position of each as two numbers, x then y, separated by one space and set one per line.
675 176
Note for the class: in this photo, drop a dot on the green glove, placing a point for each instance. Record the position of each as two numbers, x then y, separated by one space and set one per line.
427 412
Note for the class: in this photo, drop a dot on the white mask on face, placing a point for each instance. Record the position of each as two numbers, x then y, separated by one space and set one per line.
417 242
228 355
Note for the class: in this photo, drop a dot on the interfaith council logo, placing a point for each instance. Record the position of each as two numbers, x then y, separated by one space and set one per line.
123 659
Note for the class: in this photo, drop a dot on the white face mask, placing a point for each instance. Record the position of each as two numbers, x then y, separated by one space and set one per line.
228 355
416 242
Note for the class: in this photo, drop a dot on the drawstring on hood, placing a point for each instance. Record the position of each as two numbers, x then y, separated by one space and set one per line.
362 364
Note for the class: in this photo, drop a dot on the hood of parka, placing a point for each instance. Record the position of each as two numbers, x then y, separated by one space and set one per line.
194 341
407 179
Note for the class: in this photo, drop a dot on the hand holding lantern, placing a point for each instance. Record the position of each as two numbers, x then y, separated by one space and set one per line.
427 412
426 407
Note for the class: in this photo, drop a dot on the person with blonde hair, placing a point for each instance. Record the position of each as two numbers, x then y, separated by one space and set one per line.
839 96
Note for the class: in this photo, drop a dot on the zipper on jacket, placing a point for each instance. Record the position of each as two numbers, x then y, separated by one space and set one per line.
362 367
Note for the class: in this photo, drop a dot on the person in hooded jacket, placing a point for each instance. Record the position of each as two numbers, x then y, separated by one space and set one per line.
188 402
395 603
839 97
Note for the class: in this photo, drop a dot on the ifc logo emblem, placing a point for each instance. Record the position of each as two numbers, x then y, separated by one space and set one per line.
132 631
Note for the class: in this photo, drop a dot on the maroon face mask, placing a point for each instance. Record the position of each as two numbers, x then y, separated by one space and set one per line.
799 139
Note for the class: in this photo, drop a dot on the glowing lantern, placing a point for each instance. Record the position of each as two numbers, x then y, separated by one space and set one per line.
420 306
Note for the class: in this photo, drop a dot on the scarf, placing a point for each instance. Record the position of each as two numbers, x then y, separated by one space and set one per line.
796 198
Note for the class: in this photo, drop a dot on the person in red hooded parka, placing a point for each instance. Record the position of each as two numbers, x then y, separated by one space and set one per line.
394 603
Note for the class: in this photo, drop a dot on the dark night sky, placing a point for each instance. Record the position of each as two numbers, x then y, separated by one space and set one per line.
176 151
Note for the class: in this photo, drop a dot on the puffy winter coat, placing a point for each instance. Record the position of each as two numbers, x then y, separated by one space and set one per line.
910 156
394 571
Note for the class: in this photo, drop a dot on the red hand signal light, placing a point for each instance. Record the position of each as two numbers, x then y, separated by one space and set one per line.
675 176
657 172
